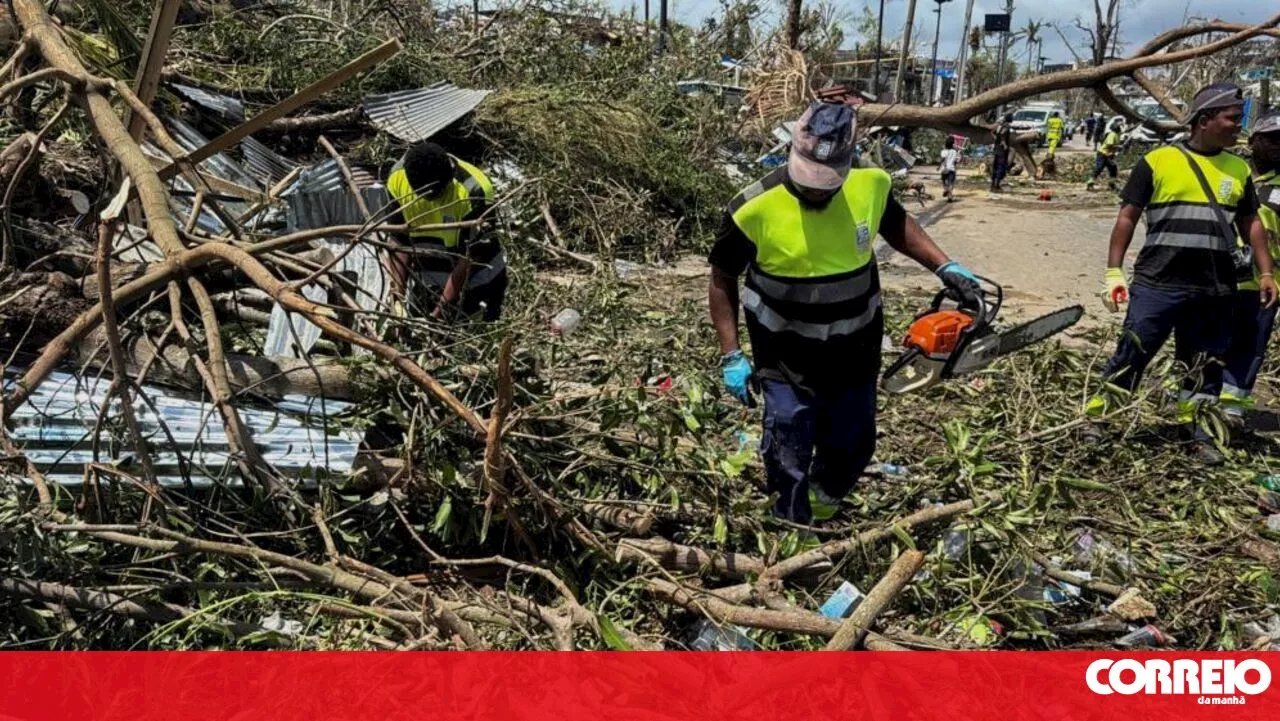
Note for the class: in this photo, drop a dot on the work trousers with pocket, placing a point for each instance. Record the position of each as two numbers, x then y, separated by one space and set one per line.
1251 326
824 439
1200 324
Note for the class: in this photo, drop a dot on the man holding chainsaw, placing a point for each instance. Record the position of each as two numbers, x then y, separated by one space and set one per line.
803 235
1196 197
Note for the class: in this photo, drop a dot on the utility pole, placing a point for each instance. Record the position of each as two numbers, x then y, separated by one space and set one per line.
1004 50
902 55
963 61
875 81
933 64
662 26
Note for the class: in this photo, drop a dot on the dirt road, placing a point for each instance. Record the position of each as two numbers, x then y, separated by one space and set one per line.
1046 254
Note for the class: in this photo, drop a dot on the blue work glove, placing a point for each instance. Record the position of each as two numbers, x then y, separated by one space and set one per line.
961 282
735 371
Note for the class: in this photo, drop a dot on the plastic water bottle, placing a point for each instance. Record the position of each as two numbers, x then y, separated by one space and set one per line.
565 322
894 470
712 637
1148 635
1271 483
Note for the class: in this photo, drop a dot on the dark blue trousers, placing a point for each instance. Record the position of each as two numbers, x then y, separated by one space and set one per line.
825 439
1200 324
1251 330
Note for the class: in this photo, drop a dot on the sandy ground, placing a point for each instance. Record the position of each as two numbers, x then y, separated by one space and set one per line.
1046 254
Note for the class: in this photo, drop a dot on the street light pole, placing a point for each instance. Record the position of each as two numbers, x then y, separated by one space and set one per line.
933 64
875 82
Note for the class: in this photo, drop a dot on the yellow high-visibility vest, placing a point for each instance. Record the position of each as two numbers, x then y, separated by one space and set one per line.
814 273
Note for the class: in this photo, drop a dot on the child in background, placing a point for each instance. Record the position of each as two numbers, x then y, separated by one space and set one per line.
949 157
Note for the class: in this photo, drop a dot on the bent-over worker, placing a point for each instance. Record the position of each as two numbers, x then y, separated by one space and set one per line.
1186 272
803 235
460 268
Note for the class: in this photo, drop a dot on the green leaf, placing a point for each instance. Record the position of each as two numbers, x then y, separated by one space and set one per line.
610 634
720 531
691 422
442 515
905 537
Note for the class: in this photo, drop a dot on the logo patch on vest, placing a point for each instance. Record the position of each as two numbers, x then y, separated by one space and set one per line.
1224 189
864 237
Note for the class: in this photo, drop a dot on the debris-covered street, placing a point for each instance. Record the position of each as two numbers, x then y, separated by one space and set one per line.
392 326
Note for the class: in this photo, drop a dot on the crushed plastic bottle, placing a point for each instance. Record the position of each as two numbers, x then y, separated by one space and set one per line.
1148 635
892 470
625 268
955 543
1269 482
1090 550
715 637
1268 636
1273 523
746 441
842 602
565 322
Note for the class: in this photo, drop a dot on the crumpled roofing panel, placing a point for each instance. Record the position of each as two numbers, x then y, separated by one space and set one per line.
55 429
416 115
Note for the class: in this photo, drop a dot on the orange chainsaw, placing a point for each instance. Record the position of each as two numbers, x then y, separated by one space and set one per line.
946 342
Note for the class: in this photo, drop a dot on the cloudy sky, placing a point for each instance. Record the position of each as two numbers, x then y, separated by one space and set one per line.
1139 19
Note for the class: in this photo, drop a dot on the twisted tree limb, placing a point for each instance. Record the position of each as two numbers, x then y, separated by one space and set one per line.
958 118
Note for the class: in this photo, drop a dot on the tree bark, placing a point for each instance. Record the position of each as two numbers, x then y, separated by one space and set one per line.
794 9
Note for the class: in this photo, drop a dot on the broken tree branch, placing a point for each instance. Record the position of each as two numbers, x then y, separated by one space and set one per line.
854 629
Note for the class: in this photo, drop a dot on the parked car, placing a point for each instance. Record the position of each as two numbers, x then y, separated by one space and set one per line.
1031 120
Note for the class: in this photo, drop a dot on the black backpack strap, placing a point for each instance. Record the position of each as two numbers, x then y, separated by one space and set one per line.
1224 225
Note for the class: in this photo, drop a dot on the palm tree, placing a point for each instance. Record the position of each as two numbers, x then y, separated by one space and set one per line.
1031 36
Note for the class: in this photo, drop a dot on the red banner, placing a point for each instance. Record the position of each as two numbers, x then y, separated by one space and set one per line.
1000 686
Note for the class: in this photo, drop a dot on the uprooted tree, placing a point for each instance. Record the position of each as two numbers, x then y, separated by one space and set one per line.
562 496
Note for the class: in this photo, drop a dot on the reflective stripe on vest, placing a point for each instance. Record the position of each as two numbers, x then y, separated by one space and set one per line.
814 273
1179 215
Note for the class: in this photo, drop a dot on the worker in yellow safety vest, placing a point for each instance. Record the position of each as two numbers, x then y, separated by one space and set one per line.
461 267
1053 132
1105 156
804 237
1252 322
1196 197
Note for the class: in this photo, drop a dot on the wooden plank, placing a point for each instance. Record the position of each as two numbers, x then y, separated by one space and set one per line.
148 77
288 105
217 184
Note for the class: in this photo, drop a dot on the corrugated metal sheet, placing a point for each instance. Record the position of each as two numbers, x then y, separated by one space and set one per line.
415 115
219 166
224 105
263 163
320 199
55 429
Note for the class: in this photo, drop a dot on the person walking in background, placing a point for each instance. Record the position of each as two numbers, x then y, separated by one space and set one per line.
1000 158
1089 122
1105 158
1053 132
1252 322
1184 280
948 159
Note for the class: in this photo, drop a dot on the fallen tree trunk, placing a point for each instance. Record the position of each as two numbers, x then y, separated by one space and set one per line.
251 375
